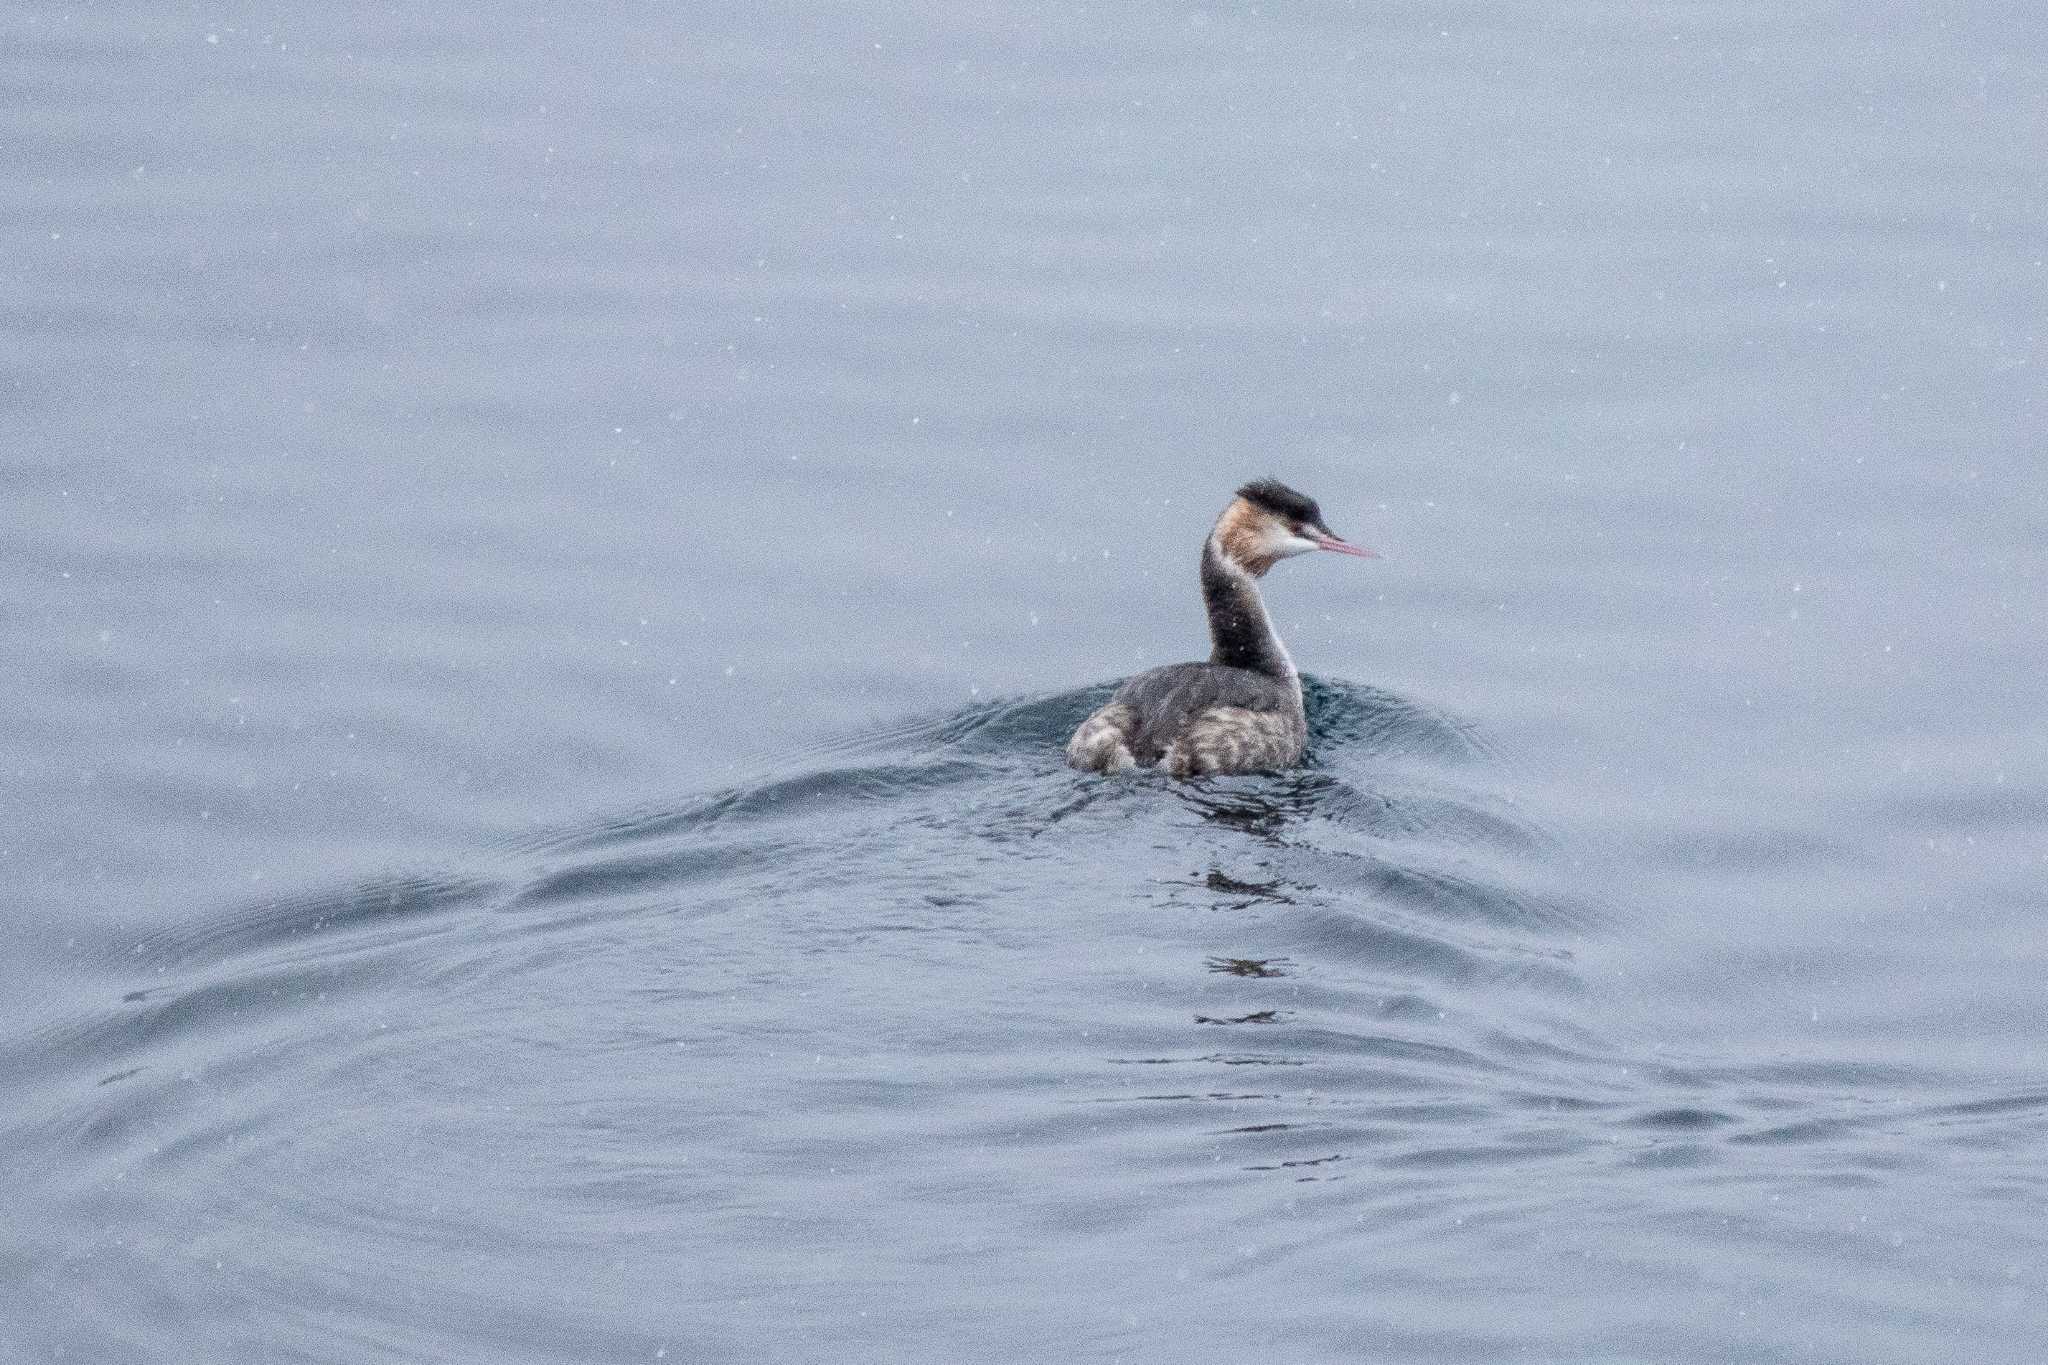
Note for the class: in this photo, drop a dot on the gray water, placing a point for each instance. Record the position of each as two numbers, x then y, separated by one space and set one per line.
547 555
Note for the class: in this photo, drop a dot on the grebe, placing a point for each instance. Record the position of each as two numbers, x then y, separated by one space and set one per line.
1241 711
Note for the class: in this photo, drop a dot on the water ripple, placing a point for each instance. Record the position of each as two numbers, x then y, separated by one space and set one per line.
931 961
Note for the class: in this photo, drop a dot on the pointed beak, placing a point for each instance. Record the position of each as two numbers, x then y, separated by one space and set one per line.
1325 541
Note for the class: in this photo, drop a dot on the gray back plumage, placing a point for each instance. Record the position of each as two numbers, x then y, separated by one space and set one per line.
1168 699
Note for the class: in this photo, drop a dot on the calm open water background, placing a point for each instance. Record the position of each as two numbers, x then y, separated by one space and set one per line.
546 557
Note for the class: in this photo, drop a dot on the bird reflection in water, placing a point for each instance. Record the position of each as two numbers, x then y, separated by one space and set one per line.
1250 966
1264 811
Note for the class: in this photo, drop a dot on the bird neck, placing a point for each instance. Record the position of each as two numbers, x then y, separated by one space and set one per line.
1239 630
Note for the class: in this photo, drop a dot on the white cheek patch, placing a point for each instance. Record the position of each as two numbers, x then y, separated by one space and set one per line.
1282 543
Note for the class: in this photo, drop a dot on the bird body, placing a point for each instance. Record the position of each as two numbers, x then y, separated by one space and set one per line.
1241 711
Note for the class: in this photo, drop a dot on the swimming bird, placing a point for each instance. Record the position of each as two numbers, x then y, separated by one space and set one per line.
1241 711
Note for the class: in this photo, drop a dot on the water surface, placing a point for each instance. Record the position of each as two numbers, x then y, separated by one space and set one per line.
549 557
